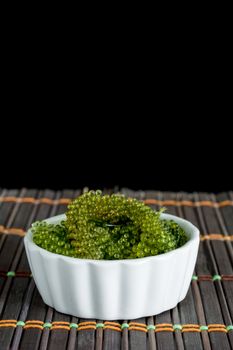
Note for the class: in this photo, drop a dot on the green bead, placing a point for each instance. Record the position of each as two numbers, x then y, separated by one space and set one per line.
151 327
47 325
99 325
229 328
124 325
20 323
204 328
216 278
10 274
177 327
195 278
73 325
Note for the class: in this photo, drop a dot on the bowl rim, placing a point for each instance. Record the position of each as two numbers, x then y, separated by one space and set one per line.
194 236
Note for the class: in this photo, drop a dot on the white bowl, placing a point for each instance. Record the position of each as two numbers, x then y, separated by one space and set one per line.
114 289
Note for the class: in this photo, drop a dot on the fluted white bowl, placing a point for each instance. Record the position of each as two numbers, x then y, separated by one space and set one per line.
114 289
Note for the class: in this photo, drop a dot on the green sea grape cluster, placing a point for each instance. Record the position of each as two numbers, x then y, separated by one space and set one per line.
109 227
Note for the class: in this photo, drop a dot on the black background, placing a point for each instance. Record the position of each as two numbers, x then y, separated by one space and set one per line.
117 116
160 154
171 133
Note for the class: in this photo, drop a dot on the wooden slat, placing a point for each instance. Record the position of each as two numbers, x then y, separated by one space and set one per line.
191 308
86 338
213 299
12 295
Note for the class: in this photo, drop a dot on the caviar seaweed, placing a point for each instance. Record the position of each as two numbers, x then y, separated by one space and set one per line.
109 227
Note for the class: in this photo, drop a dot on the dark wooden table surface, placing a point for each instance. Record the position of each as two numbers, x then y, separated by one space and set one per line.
202 321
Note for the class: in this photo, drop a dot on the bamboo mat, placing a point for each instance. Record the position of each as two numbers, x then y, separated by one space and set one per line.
202 321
